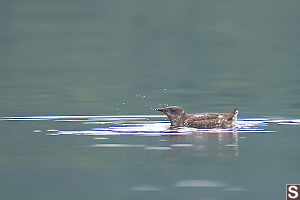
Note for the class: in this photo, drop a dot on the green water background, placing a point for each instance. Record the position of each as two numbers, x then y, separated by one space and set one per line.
60 57
126 57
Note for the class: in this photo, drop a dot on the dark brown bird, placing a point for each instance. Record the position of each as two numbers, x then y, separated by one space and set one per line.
179 118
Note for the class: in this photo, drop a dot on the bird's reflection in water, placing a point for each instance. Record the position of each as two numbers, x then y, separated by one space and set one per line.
222 141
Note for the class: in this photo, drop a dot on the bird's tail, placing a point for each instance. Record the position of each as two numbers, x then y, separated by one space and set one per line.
233 114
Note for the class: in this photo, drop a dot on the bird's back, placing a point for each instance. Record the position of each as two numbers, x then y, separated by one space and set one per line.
211 120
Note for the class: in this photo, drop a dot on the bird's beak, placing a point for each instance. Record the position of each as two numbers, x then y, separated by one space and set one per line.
160 109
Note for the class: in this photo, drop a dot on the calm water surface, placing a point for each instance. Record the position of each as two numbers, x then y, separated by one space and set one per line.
80 80
131 157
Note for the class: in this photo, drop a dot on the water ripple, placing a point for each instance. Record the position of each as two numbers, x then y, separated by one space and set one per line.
105 128
148 125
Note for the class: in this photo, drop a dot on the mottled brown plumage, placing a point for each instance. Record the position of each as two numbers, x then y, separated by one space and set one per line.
179 118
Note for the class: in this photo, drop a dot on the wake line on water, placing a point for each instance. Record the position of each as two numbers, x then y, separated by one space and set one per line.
150 125
56 117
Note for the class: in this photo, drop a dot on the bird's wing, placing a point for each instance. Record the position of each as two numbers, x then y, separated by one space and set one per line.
206 116
207 120
205 123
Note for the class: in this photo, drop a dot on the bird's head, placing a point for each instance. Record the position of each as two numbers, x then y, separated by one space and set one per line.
175 114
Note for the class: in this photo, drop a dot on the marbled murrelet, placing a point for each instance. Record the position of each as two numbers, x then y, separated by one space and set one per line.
179 118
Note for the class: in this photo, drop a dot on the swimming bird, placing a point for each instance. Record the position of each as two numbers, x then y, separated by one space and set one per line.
179 118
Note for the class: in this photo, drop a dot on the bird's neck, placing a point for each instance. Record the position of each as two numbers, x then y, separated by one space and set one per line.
178 120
